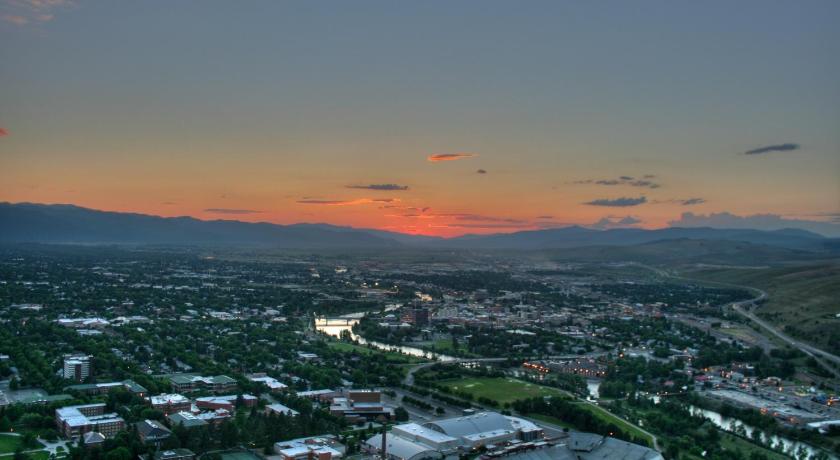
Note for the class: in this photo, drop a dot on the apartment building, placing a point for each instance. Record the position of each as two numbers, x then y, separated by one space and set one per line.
77 367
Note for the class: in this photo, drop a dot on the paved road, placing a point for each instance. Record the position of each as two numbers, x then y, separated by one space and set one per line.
745 308
816 353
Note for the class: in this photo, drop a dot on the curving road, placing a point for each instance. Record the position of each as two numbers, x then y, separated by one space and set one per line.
814 352
745 308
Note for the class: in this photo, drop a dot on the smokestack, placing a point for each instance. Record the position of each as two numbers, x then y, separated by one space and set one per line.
384 442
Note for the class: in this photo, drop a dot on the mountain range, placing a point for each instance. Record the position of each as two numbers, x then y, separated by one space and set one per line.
61 223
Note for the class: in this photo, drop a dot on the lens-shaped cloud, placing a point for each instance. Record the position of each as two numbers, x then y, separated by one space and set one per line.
622 202
788 147
379 187
231 211
438 157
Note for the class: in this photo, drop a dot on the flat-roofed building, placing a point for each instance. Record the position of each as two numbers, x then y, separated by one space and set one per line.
324 447
578 446
427 436
170 403
318 395
75 421
185 383
77 367
278 408
95 389
174 454
186 419
361 405
274 385
224 402
399 448
411 441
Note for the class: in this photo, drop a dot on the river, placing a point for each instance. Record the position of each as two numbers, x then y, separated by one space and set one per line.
335 326
785 445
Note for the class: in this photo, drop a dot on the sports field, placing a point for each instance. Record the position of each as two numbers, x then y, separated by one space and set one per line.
500 389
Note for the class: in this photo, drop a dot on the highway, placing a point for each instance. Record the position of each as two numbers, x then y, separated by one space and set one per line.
821 356
816 353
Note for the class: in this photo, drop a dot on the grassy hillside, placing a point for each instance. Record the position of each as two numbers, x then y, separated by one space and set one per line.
686 251
804 299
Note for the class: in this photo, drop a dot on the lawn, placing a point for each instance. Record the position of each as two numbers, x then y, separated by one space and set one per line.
240 455
40 455
607 416
500 389
551 420
8 443
733 443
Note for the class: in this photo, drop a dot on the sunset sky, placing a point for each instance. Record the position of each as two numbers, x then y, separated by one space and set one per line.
433 117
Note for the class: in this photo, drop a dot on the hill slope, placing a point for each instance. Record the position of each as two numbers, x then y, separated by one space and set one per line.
26 222
804 300
71 224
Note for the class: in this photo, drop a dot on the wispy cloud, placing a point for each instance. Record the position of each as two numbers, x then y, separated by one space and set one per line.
15 19
616 222
3 132
462 225
23 12
481 218
481 171
347 202
623 180
788 147
692 201
755 221
379 187
622 202
438 157
828 216
232 211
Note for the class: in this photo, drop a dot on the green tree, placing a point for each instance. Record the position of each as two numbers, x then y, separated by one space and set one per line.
120 453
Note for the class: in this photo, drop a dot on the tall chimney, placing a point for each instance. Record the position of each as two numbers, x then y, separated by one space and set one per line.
384 442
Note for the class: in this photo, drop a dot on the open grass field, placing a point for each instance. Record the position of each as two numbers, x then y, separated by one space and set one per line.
552 420
606 416
804 300
239 456
734 443
501 390
8 443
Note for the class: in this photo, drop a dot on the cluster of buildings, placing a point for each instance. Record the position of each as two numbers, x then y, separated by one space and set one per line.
324 447
186 383
442 438
361 405
585 367
96 389
179 409
497 436
75 422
